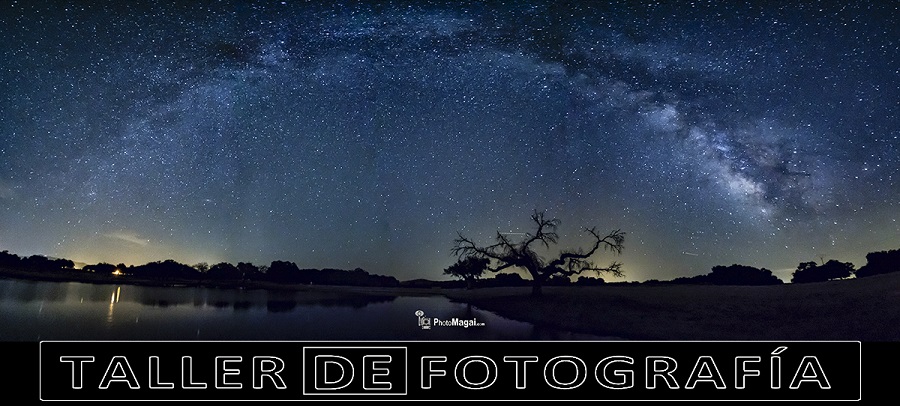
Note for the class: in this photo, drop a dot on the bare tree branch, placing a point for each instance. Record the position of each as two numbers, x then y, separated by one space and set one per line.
544 236
508 254
614 241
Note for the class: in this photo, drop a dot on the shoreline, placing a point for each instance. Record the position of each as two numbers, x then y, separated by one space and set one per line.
865 309
92 278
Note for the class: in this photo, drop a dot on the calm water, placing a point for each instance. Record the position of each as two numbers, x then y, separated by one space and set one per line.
31 311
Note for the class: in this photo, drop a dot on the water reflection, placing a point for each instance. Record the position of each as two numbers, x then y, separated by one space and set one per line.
76 311
279 306
117 293
26 292
243 300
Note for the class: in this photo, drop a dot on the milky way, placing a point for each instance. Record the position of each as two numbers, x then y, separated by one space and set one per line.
367 136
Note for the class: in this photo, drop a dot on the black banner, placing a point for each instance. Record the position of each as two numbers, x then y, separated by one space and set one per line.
488 370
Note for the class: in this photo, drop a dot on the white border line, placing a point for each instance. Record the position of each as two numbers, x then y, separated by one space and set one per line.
40 395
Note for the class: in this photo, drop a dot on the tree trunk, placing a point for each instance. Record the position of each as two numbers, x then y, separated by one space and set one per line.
536 281
536 288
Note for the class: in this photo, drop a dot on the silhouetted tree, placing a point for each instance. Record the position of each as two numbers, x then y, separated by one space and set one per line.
811 272
468 269
684 280
202 267
101 268
168 269
355 277
286 272
589 281
39 263
741 275
224 271
428 284
36 263
11 261
249 272
506 253
804 273
558 280
509 279
834 269
500 279
880 262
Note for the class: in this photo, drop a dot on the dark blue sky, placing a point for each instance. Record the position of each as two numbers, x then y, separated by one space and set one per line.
367 136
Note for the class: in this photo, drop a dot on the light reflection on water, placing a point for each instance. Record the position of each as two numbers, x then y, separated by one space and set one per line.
112 304
32 311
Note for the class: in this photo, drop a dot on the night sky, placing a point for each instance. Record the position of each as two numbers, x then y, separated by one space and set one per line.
366 136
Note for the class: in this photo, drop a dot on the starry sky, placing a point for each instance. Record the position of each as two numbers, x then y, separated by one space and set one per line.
363 135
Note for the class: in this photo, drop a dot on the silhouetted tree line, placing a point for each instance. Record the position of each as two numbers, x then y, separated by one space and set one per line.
278 271
35 263
429 284
812 272
288 272
243 271
877 263
880 262
732 275
104 268
165 270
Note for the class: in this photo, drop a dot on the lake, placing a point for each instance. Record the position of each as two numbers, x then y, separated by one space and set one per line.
36 310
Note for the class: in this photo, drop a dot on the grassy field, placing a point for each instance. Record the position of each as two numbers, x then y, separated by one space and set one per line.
866 309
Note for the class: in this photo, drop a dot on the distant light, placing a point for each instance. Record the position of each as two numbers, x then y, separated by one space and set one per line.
117 272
